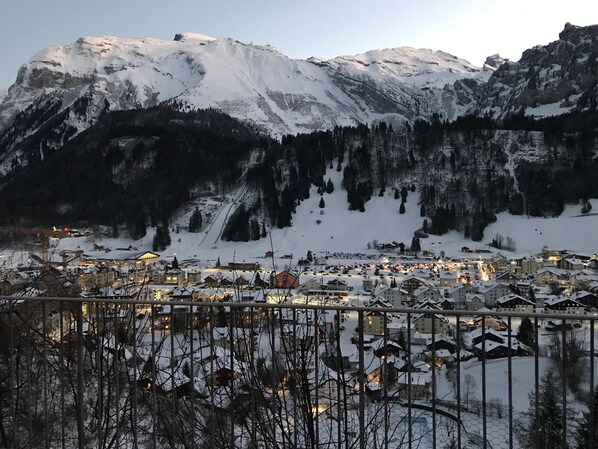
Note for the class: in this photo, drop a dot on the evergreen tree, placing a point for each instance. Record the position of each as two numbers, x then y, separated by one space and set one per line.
397 194
263 233
402 208
526 334
254 229
161 238
587 438
136 224
329 186
422 210
415 245
531 295
404 194
258 282
545 429
218 263
195 221
425 226
309 256
175 263
322 204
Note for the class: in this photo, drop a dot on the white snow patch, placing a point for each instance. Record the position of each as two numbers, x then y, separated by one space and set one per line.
547 110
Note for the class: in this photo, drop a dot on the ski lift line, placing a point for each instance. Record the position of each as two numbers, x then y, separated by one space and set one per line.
211 223
234 203
217 215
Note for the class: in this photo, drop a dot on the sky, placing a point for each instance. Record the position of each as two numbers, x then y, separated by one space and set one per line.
470 29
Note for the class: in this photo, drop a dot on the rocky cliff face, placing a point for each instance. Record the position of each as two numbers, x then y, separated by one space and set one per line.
547 80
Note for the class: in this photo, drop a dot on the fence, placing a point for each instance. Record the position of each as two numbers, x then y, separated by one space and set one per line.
84 372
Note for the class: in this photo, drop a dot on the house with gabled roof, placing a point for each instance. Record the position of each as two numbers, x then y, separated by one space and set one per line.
572 263
375 320
429 322
286 279
441 341
324 384
582 280
447 278
412 283
337 284
211 281
478 335
457 292
385 347
589 300
550 275
447 304
491 291
426 293
395 296
428 304
490 349
182 293
474 302
507 277
514 303
367 284
124 257
530 265
174 276
416 382
312 284
563 305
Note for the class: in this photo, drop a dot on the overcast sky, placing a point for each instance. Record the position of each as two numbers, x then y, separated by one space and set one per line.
470 29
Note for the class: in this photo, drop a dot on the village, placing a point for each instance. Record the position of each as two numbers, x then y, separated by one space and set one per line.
394 350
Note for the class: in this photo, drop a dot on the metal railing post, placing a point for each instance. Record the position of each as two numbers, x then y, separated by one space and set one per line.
510 381
80 391
593 397
361 380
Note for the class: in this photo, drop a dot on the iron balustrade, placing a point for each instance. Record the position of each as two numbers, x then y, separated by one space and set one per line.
102 373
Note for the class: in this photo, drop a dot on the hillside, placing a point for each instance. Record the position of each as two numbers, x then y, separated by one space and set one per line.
141 168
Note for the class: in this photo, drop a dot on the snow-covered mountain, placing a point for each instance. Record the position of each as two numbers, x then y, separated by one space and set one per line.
250 82
62 94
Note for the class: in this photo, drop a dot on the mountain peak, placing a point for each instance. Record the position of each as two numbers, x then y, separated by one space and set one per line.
186 37
493 62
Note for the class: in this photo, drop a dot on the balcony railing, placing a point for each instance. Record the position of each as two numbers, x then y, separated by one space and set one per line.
117 374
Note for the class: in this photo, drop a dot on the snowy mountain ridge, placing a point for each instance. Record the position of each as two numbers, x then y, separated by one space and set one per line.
257 83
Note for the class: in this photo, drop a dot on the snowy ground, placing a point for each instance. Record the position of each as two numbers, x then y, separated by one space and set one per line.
340 230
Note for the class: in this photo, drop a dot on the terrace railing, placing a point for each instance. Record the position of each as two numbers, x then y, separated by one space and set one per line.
84 372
